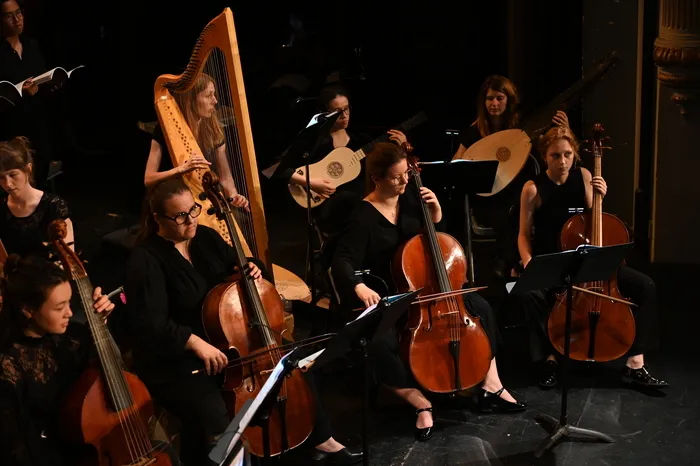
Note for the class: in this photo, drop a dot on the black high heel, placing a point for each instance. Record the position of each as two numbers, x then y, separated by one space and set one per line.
493 403
424 434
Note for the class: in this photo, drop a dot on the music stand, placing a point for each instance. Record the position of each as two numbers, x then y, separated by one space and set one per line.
296 155
358 334
256 412
466 177
564 269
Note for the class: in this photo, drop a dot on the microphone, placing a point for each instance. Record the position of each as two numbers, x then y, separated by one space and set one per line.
299 100
367 272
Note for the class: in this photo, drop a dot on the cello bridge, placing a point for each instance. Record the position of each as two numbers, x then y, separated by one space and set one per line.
143 462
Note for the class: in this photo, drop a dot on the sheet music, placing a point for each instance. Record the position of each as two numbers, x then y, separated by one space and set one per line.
389 300
316 118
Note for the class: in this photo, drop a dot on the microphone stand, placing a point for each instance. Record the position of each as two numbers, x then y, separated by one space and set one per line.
309 232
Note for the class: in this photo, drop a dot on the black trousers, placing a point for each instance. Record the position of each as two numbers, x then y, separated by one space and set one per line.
195 400
388 367
639 288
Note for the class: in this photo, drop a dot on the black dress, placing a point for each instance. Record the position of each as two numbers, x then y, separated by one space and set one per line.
26 235
556 203
370 242
165 293
30 117
34 375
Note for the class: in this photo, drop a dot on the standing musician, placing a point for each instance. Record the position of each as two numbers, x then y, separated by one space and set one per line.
497 110
544 207
168 277
41 355
330 215
26 212
390 215
198 106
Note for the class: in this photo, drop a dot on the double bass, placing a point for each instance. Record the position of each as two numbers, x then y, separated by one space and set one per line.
107 408
602 329
243 317
446 346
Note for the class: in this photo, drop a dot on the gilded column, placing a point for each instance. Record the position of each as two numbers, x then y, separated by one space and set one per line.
677 50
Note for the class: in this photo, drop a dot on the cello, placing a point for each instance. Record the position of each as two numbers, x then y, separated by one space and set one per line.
107 408
602 329
446 346
245 316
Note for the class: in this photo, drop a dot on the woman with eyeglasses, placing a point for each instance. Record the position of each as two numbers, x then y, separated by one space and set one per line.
388 216
198 106
169 274
331 215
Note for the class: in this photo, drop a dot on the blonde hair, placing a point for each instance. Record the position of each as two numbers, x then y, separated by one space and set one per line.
510 116
554 134
17 154
209 133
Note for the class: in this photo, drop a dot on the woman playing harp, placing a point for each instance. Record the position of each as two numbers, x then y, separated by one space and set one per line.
198 106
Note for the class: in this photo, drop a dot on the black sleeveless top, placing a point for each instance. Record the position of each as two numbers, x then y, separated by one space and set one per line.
556 207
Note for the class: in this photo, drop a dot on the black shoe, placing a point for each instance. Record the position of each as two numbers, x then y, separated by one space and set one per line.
488 402
641 377
340 457
423 434
548 375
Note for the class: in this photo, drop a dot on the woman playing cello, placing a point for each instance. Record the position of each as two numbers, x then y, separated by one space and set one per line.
168 277
544 207
41 354
388 216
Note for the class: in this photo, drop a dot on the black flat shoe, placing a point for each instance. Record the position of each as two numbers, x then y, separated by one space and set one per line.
488 402
641 377
340 457
423 434
548 375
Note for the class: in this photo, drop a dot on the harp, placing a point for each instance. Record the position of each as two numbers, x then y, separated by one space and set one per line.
210 93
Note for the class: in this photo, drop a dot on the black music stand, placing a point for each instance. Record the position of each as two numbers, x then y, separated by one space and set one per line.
358 335
466 177
255 413
564 269
296 155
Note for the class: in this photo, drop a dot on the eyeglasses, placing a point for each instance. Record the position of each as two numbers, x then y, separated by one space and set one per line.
343 111
181 218
17 14
397 179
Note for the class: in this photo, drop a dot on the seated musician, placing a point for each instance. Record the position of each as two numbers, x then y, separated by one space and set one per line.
497 110
198 106
26 212
544 208
41 355
168 277
390 215
331 215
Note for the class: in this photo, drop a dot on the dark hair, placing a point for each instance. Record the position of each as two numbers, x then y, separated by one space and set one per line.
26 283
17 154
380 159
328 94
510 116
154 203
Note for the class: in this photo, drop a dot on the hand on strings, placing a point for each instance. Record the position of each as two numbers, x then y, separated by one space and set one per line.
322 187
366 294
599 185
30 86
214 360
561 119
238 200
251 269
397 136
195 162
102 303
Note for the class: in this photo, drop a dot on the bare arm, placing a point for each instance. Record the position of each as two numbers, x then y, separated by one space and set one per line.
587 177
528 204
152 175
460 152
70 238
224 169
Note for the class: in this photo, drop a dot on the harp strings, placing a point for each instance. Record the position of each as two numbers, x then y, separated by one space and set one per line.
217 69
